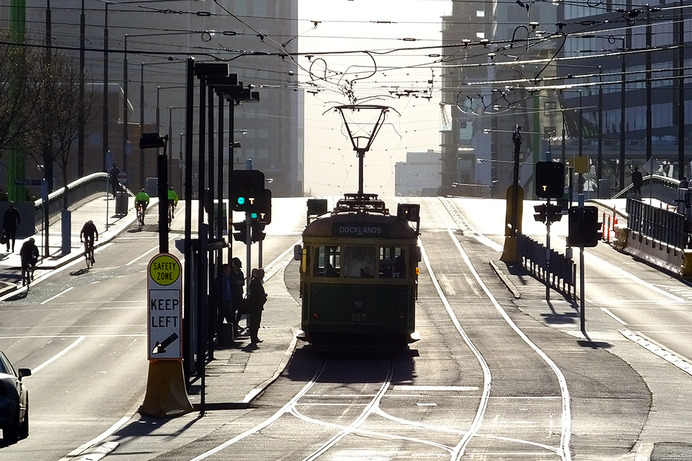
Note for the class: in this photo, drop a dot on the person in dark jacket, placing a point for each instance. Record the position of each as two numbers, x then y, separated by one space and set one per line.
10 222
237 289
637 181
256 297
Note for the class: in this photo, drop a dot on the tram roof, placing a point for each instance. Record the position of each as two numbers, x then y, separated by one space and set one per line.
391 227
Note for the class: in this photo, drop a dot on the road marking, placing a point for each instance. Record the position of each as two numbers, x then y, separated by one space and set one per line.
404 387
59 294
615 317
682 363
58 355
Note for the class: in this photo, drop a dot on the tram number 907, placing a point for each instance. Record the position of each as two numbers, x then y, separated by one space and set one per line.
356 318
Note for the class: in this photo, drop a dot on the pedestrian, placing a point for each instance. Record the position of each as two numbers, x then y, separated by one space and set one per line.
113 174
223 301
237 288
10 221
637 181
256 297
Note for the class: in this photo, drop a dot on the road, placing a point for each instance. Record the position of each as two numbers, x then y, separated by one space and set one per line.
495 376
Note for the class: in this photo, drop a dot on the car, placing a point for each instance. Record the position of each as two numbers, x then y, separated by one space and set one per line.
14 402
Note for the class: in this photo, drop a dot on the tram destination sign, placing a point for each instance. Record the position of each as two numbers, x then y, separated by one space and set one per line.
360 230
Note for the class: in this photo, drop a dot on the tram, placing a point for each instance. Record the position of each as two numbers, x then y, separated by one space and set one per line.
359 274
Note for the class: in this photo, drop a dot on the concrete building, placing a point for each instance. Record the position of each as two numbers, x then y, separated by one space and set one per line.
419 175
143 48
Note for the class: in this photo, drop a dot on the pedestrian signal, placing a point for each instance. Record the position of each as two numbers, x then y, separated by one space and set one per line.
584 228
550 179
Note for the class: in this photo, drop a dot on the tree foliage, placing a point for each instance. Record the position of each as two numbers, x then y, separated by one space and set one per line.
40 99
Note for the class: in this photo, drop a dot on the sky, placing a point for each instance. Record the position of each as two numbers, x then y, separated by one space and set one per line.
376 78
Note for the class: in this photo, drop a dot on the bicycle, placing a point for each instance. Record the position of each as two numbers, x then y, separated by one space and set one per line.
89 252
141 210
28 273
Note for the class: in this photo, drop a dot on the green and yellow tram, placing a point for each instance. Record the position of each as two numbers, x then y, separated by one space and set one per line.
359 275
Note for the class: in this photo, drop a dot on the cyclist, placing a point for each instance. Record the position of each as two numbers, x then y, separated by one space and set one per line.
172 198
87 235
142 199
29 257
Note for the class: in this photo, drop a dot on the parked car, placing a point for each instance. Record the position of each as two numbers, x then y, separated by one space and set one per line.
14 402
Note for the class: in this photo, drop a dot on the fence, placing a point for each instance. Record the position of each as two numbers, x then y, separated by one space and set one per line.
665 226
559 275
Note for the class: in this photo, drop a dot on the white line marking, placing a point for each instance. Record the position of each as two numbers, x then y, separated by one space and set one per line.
59 294
58 355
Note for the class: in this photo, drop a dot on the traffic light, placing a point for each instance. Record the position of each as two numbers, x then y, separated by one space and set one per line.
541 214
263 210
247 190
550 179
547 213
584 228
257 231
241 235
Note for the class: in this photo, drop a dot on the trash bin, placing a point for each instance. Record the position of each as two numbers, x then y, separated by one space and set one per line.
121 203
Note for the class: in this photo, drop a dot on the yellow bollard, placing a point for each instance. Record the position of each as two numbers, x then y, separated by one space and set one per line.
166 394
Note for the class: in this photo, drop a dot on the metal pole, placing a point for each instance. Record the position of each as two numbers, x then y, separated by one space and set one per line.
623 102
80 112
163 198
105 91
189 259
142 175
125 109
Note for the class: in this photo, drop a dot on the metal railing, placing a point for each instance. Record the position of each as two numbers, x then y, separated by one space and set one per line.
661 224
77 193
561 274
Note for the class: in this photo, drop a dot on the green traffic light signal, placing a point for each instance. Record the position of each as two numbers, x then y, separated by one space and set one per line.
241 200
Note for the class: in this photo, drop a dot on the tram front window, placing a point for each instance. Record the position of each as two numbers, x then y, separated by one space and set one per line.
392 263
359 262
326 262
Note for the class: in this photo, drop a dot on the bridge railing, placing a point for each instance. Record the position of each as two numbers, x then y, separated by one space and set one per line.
77 193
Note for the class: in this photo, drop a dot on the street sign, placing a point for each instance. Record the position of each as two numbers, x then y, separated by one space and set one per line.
122 178
27 182
164 285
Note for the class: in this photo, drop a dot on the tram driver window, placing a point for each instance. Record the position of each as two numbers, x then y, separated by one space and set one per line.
392 263
359 262
326 261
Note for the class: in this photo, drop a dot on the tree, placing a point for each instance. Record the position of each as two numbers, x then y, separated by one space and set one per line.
18 100
56 124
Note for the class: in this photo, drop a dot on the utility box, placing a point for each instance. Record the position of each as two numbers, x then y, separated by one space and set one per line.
152 186
121 203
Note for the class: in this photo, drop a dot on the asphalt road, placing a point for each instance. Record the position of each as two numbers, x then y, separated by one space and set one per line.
495 376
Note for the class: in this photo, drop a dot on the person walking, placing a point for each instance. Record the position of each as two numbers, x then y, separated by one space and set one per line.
113 174
256 298
637 181
10 222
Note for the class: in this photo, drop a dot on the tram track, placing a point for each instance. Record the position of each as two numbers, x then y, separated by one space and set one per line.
339 418
563 450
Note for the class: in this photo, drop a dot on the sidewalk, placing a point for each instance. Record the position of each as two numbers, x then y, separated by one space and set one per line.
238 373
95 210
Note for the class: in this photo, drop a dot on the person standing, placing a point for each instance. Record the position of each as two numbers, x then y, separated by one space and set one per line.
113 174
237 289
10 222
223 301
256 297
637 181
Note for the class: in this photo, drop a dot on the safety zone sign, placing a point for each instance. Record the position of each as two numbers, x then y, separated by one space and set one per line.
164 285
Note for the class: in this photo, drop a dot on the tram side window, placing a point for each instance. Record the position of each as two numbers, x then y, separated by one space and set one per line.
359 262
326 262
392 263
